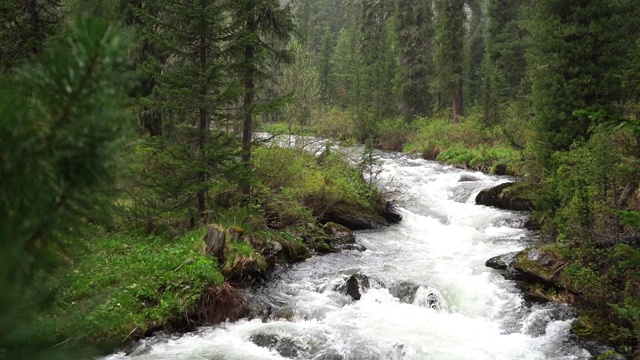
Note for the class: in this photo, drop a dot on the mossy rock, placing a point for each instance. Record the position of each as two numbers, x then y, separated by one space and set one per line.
353 216
507 196
293 252
340 233
324 245
540 265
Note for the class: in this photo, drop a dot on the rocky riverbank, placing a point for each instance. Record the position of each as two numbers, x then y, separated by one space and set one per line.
545 273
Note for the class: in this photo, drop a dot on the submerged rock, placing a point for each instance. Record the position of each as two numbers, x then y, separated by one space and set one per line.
467 178
504 196
405 291
284 345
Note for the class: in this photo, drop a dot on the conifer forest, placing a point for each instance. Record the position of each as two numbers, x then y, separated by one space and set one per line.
319 179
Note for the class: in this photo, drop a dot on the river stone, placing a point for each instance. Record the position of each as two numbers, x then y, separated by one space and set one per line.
405 291
285 346
391 213
502 262
353 216
340 233
467 178
356 247
354 286
502 197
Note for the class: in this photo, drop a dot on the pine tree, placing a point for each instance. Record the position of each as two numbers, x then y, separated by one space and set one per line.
62 125
415 33
450 35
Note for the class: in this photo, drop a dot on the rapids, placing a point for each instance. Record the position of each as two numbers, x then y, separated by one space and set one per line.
461 309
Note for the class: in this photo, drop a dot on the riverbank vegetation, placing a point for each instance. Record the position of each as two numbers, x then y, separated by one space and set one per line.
127 127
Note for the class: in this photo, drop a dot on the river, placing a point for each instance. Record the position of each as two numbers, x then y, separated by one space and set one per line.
461 309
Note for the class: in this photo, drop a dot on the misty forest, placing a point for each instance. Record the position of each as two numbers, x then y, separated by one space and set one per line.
319 179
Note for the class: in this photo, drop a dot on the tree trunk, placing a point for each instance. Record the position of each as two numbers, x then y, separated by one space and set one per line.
457 109
215 242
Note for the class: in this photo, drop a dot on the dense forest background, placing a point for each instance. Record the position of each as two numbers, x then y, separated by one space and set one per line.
131 122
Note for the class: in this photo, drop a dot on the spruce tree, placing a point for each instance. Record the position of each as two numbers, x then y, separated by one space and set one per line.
196 87
415 33
450 35
578 51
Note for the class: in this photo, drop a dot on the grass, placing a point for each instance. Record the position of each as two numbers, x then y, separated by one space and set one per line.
125 284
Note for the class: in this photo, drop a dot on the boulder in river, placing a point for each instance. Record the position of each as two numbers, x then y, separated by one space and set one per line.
354 286
341 234
505 196
467 178
286 346
405 291
353 216
539 273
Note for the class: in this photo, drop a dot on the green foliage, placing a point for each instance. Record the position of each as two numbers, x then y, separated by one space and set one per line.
391 134
124 284
588 179
294 186
164 178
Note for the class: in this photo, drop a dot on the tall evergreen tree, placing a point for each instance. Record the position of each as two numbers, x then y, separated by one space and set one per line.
507 40
415 33
195 89
263 27
579 48
450 35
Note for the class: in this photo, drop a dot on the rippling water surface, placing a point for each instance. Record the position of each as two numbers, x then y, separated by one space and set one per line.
461 309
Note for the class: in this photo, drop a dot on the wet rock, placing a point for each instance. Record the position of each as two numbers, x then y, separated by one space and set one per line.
353 216
467 178
499 169
427 298
540 265
341 234
294 252
391 213
504 196
331 355
354 286
357 247
405 291
500 262
285 346
324 245
505 264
